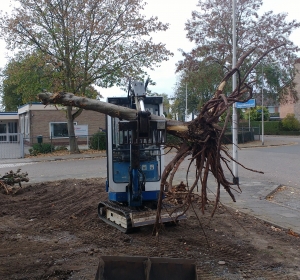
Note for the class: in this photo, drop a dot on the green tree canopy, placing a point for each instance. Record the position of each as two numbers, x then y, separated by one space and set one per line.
198 84
256 113
27 75
23 78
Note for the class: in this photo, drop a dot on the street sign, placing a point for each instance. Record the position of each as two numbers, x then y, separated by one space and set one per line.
250 103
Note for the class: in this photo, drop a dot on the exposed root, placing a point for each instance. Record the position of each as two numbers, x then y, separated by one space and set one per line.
11 178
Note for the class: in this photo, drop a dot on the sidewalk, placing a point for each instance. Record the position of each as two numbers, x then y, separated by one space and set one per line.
252 200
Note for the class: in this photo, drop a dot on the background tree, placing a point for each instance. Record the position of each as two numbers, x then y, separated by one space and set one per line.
199 80
255 113
89 41
26 75
9 100
23 77
210 28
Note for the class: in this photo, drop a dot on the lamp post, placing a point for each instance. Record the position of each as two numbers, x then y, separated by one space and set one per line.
234 109
186 102
262 107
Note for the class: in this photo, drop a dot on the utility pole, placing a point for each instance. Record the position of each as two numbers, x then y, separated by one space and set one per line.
262 106
186 102
234 109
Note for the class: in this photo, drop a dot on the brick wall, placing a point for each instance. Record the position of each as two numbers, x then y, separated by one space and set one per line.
40 119
291 107
297 104
287 108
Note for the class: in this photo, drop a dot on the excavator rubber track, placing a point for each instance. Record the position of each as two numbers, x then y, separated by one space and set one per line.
126 219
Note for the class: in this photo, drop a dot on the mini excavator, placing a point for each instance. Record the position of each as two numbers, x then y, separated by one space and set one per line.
135 162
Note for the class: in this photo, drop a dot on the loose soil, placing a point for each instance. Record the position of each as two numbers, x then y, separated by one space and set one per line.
52 231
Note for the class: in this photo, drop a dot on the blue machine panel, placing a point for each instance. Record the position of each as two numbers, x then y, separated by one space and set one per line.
123 196
121 172
149 168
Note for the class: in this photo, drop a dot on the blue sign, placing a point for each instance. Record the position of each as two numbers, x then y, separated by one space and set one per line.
250 103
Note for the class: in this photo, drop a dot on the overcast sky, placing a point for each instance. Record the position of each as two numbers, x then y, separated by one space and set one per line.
176 13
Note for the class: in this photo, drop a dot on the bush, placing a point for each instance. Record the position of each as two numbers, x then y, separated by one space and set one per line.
98 141
173 140
255 113
42 148
290 123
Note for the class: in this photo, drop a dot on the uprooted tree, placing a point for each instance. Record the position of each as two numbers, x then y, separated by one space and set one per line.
202 137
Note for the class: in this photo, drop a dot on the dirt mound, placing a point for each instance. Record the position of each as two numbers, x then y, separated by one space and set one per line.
51 231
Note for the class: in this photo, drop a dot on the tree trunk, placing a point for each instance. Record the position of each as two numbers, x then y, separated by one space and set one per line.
71 131
176 128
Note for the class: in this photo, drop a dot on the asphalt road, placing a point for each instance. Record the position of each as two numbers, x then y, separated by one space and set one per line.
280 164
60 169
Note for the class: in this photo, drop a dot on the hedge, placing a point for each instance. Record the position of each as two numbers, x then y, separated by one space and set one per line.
270 127
98 141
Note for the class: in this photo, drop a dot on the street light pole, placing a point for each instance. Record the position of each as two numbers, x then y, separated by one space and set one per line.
262 106
186 102
234 109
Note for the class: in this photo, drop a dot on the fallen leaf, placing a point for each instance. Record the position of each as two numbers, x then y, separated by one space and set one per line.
290 232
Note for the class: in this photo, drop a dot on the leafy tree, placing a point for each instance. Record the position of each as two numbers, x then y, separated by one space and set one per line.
23 78
199 81
26 75
255 113
210 28
10 101
88 41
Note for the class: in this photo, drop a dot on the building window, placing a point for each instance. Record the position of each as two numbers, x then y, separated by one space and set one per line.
12 127
3 128
59 129
3 132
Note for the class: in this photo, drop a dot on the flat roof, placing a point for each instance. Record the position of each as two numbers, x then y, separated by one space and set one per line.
9 116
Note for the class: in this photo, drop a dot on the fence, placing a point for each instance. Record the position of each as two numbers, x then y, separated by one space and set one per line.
56 143
43 144
245 134
14 148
